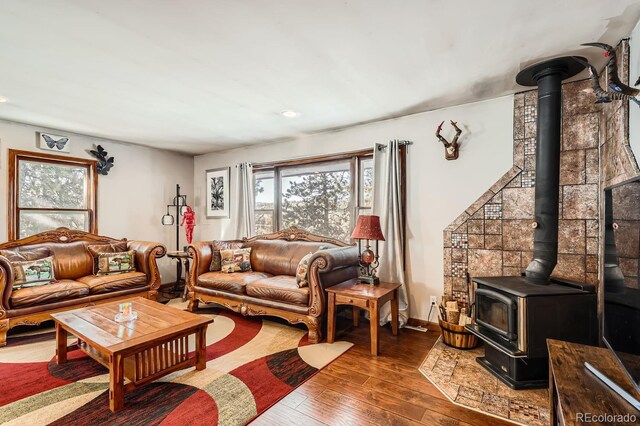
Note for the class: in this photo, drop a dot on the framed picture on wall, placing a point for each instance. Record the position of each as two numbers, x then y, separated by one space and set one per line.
217 187
55 143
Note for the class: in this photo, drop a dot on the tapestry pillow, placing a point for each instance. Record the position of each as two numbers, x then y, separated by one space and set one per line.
17 255
33 273
236 260
301 271
114 263
98 249
216 259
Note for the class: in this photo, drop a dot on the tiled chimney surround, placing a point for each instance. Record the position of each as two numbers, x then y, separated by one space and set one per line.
494 236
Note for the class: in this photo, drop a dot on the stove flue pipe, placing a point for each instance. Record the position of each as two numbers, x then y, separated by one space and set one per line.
548 76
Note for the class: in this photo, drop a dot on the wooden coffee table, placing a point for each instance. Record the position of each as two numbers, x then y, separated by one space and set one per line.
365 296
140 351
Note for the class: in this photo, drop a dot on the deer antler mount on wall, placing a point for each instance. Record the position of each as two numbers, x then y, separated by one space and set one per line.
451 149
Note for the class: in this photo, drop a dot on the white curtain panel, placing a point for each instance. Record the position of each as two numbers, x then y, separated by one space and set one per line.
387 203
244 201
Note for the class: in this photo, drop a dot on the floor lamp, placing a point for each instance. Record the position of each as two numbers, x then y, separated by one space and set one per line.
179 203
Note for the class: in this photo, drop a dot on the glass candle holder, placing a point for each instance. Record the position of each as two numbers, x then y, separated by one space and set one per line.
126 313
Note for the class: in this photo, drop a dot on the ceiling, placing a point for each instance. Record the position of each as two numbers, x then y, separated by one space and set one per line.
198 76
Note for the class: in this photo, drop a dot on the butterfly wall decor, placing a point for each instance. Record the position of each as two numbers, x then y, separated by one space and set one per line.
105 163
55 143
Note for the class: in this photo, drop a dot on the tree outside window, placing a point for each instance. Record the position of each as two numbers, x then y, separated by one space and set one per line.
320 197
48 192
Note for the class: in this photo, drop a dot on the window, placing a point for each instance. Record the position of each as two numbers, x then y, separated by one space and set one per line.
322 195
265 202
50 191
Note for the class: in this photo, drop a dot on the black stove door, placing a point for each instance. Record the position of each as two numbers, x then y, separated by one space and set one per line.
497 313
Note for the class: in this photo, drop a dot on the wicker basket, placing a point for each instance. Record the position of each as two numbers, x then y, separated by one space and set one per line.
457 336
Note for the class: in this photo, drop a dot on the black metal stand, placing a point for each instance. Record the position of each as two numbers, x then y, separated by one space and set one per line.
178 202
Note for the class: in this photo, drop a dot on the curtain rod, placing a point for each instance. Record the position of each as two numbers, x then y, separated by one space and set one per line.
381 147
313 159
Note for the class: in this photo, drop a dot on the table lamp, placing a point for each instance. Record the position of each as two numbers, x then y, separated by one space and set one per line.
368 228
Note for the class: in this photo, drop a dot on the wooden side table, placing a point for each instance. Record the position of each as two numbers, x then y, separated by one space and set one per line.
181 257
365 296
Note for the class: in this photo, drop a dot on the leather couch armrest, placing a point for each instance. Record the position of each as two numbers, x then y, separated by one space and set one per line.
201 253
323 262
147 254
339 257
6 286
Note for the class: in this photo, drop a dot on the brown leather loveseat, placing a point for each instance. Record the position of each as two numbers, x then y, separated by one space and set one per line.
270 288
76 285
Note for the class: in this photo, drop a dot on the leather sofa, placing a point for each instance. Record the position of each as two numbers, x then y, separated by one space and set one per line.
270 288
75 284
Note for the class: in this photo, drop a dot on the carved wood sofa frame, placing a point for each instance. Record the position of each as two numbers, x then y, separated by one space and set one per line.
344 255
146 255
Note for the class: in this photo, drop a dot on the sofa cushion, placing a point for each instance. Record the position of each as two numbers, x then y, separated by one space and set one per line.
108 283
18 255
97 249
55 292
281 288
71 260
232 283
280 257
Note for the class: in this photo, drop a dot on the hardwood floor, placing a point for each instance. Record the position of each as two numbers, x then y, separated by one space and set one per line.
361 389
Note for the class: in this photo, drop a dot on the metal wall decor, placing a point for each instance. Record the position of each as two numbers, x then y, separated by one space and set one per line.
56 143
105 163
616 89
451 149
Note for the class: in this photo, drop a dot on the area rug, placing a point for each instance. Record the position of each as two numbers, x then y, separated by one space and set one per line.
251 364
460 378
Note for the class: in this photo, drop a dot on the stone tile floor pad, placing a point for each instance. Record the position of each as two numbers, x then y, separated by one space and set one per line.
460 378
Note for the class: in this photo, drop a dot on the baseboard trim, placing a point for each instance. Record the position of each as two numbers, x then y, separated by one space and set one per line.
415 322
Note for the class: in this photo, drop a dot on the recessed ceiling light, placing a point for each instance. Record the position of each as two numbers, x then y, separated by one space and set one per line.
290 114
2 100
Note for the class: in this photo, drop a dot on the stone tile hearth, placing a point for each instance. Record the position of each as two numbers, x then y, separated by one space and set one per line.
462 380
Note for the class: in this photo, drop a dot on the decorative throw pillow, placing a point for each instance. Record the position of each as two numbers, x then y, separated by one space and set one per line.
236 260
33 273
18 255
115 263
98 249
216 259
301 271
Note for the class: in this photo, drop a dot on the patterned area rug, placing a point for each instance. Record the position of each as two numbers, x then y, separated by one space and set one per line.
251 364
465 382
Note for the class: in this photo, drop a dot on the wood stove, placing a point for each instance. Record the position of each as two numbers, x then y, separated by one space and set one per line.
515 315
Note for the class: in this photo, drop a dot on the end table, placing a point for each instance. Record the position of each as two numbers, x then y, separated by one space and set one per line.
181 257
365 296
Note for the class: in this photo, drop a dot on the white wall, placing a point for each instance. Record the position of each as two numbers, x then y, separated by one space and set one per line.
131 198
438 190
634 72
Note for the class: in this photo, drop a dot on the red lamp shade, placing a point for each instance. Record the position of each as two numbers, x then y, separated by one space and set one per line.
368 228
